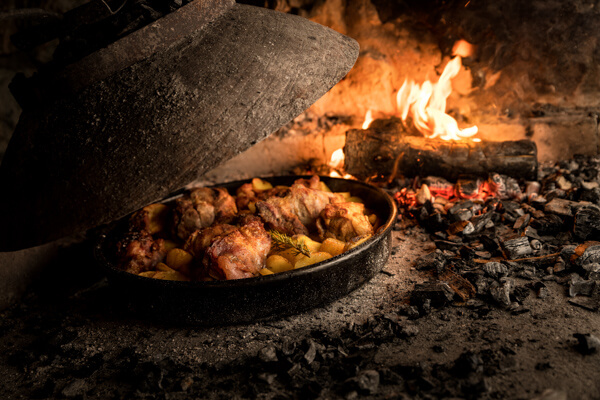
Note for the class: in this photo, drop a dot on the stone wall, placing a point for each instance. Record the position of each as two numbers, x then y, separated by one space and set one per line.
534 73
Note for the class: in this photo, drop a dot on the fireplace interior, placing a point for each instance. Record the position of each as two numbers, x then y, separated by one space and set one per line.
492 287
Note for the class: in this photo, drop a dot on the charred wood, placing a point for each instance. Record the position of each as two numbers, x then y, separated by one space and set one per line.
370 152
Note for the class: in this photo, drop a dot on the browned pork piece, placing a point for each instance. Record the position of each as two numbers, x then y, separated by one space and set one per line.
246 194
199 241
202 208
139 252
344 221
297 211
241 253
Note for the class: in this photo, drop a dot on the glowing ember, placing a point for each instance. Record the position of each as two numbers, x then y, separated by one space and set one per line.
426 105
368 119
463 49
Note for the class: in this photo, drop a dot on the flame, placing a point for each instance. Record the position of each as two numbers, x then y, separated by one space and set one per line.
368 119
337 158
426 105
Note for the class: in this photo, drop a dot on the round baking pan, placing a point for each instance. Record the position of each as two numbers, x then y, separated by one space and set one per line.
263 297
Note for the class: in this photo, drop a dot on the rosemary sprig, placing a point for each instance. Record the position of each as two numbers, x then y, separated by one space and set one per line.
282 242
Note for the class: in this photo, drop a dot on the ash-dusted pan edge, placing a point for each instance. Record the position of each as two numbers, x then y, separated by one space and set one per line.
263 297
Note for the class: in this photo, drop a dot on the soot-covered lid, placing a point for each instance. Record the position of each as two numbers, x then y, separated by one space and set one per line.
156 109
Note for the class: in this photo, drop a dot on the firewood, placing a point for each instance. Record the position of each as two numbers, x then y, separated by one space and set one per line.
374 151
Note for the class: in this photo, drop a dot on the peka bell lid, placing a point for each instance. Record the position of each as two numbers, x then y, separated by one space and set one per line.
156 109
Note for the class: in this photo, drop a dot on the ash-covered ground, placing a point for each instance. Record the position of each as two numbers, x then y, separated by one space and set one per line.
438 322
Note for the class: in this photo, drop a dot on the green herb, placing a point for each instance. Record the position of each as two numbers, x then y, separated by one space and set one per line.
282 242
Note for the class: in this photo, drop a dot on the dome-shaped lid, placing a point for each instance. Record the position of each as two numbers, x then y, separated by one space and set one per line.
158 108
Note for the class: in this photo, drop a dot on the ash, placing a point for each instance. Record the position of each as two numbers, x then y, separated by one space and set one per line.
503 308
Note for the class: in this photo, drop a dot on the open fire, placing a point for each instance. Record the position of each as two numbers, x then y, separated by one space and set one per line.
425 104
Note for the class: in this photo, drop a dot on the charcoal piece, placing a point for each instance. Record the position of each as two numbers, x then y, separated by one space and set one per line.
468 187
587 222
554 194
467 363
485 255
549 224
440 235
592 271
561 207
539 201
432 261
288 347
294 370
367 381
501 292
518 309
508 219
584 254
448 245
186 383
492 203
457 227
531 233
482 284
468 229
389 377
481 222
462 214
567 252
490 244
459 206
541 290
592 195
422 214
559 267
467 253
513 208
587 343
268 354
587 303
516 248
266 377
520 293
495 270
580 287
411 312
438 294
434 222
75 388
522 222
438 349
311 352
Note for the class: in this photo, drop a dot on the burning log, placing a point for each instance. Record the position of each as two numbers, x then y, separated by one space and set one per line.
390 152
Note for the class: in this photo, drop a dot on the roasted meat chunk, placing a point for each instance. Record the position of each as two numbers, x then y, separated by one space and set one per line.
202 208
199 241
240 253
297 211
247 194
139 252
344 221
153 218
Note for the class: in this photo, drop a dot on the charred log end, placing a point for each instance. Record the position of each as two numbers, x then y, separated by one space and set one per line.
372 152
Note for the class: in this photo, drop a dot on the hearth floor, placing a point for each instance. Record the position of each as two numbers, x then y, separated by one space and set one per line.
68 339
